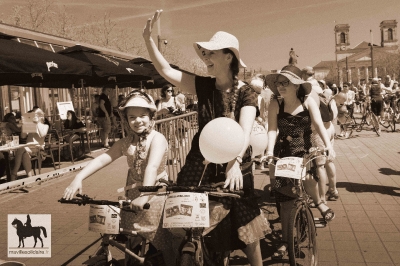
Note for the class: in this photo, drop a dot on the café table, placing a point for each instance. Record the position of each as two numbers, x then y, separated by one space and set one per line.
6 149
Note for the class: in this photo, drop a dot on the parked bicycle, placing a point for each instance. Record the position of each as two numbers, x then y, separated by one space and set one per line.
193 249
302 242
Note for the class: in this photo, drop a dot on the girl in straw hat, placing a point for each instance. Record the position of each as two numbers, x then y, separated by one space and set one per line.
292 114
222 95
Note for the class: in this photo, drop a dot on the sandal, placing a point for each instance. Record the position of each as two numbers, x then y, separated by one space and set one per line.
328 215
332 195
280 253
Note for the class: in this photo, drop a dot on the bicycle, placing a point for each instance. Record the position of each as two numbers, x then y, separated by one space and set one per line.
193 249
302 242
368 118
145 255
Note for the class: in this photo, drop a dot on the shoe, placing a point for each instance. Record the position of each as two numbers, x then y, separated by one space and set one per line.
341 134
328 215
106 146
332 195
280 253
348 134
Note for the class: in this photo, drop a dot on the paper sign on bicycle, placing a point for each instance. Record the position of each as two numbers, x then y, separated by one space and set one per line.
186 209
291 167
104 219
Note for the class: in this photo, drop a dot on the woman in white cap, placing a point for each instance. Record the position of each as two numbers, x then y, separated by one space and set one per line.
222 95
292 114
146 152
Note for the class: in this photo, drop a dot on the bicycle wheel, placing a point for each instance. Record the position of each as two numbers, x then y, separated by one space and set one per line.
302 243
212 258
375 124
386 120
187 259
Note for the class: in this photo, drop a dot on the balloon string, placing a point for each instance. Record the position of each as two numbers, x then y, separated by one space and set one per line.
205 167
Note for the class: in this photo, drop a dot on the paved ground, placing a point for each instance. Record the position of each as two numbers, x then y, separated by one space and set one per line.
366 230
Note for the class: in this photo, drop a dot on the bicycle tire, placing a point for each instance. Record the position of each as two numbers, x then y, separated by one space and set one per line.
375 124
386 119
103 262
187 260
302 244
214 258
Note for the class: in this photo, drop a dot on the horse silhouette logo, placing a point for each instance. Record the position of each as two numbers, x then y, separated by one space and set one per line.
24 231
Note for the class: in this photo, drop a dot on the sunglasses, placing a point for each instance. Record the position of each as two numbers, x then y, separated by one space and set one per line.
283 83
169 90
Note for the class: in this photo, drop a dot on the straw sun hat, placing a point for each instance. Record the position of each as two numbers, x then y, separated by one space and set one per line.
219 41
293 74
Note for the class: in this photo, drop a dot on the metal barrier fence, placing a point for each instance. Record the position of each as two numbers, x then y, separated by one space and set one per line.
179 132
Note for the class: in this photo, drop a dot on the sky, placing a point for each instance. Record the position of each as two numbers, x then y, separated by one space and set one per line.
266 29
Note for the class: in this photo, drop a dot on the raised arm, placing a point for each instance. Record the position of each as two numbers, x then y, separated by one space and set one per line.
174 76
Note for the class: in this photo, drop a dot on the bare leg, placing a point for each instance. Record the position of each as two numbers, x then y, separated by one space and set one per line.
17 160
331 171
253 253
27 164
322 182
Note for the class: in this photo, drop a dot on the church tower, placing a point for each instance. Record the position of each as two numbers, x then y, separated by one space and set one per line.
388 33
342 37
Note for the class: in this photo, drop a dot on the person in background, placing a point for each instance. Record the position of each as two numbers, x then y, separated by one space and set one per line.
146 153
167 105
325 88
334 89
375 95
46 121
222 95
71 123
349 103
105 115
23 155
95 108
181 100
11 127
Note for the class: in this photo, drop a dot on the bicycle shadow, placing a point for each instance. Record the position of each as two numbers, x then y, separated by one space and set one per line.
360 188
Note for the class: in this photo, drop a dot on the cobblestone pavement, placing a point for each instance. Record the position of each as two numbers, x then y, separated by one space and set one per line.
366 230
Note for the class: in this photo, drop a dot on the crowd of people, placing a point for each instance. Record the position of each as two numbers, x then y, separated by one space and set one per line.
287 104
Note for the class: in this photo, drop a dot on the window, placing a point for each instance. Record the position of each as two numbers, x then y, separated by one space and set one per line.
390 35
342 37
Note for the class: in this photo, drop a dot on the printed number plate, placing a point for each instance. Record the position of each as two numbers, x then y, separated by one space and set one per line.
291 167
186 209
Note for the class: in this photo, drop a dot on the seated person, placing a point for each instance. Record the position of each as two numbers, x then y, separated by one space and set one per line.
23 155
46 121
72 122
11 126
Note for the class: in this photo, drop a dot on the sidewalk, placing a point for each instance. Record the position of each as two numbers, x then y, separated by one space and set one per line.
366 230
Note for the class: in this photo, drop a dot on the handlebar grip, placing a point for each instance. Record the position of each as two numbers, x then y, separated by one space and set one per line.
149 188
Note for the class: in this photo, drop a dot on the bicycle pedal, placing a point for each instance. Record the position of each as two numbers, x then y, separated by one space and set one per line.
320 222
189 247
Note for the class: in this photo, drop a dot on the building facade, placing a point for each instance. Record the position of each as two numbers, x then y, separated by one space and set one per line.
355 63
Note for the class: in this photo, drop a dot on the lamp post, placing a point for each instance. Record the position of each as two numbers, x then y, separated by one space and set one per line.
372 56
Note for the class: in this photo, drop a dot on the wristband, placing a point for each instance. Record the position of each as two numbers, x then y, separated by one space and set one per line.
270 154
239 159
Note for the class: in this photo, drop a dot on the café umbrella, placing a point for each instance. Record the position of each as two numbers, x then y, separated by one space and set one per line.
106 69
26 65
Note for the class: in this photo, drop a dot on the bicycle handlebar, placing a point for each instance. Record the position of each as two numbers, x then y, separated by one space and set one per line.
213 189
85 199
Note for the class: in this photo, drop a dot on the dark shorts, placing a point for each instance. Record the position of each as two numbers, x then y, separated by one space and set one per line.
377 106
